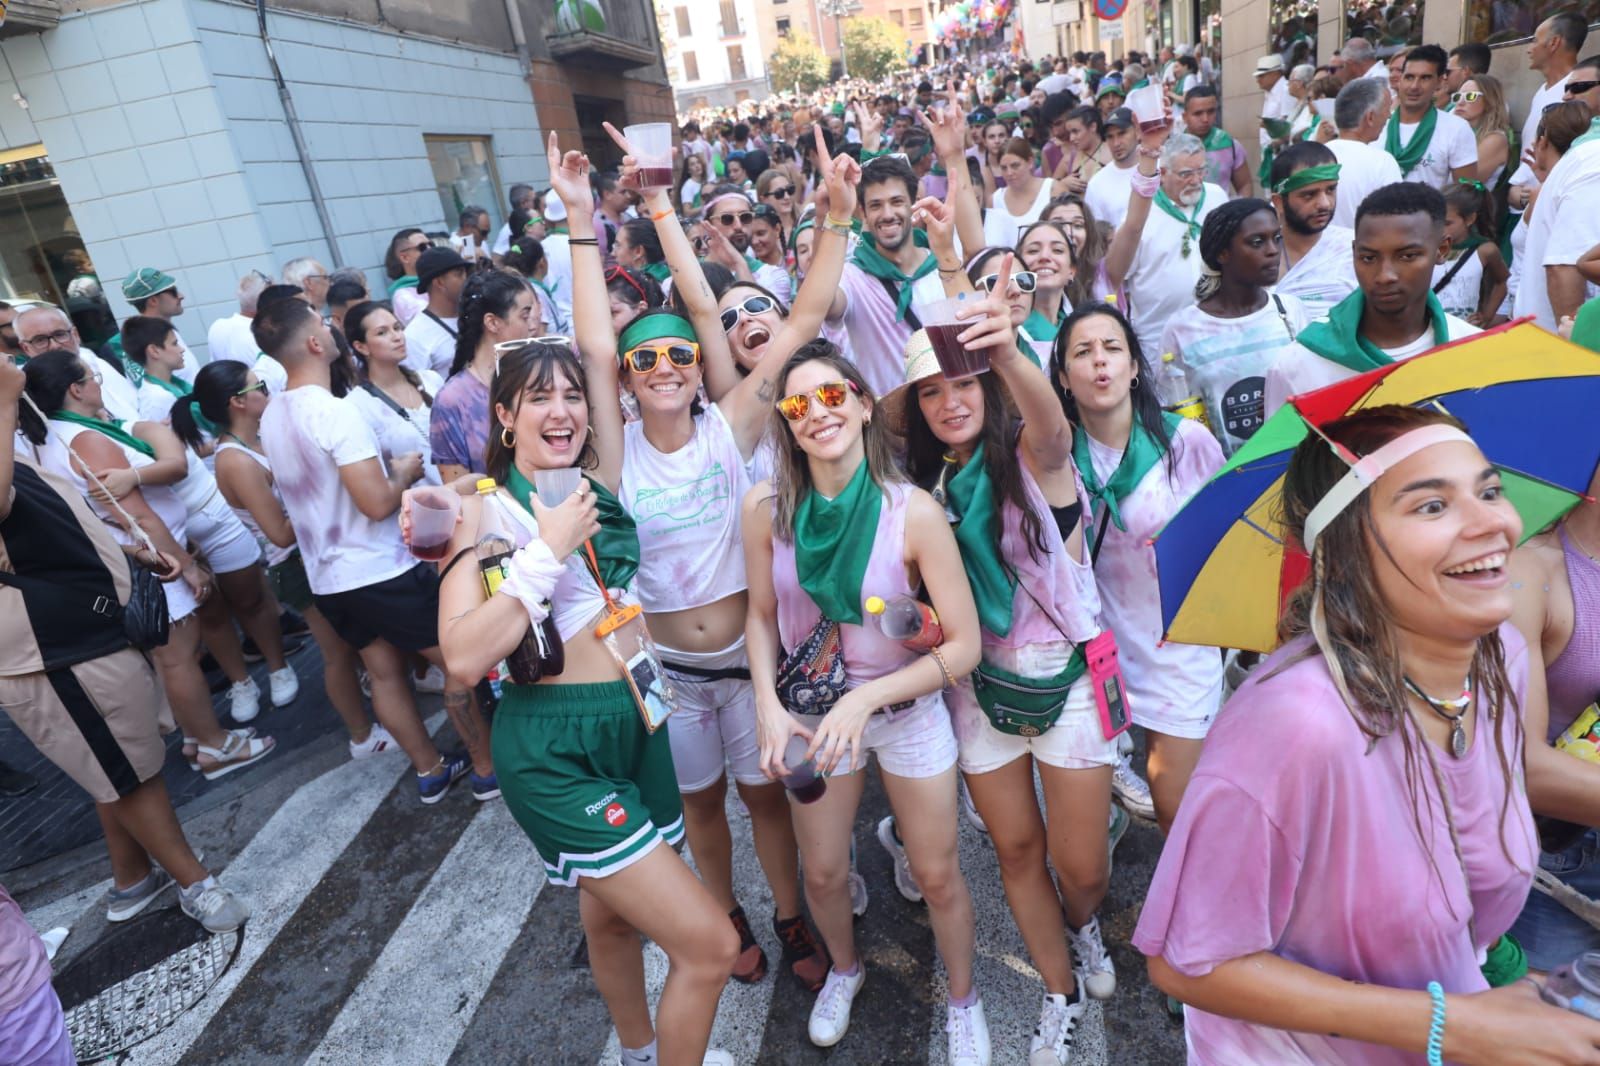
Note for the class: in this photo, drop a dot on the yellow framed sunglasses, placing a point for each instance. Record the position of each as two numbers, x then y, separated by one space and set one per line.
643 358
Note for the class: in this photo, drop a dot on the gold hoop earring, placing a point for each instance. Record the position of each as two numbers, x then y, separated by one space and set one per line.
507 438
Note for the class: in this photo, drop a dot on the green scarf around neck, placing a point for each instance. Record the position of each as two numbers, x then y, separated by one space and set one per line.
1191 220
110 429
971 499
872 261
660 271
1142 452
176 386
1338 338
1218 140
616 546
407 282
1409 155
833 543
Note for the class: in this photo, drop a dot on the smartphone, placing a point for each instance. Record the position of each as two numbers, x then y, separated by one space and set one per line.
652 693
1105 674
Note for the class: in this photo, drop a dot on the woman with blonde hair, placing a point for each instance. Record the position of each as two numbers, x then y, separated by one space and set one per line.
1481 100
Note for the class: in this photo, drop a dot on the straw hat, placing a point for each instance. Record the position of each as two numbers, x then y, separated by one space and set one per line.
921 363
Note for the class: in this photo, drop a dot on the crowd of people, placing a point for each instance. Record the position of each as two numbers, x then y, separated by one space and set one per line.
804 533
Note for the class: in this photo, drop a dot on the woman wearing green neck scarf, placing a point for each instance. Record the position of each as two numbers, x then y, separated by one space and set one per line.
835 526
1009 489
1139 465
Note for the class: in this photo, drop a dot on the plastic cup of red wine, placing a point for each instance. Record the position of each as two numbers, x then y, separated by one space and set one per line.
801 778
652 151
1147 107
944 332
433 519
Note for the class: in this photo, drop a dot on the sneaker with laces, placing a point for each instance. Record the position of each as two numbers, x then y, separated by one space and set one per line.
451 769
283 685
1058 1023
858 885
484 788
968 1033
903 881
1095 970
125 903
213 906
805 958
377 741
244 700
1132 791
830 1014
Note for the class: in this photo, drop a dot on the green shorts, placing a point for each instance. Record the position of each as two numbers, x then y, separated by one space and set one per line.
593 791
289 582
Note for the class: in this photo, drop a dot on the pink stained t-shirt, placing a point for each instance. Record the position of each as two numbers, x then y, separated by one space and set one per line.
1294 839
1055 581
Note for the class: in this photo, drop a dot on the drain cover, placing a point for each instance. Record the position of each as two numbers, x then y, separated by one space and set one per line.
141 1003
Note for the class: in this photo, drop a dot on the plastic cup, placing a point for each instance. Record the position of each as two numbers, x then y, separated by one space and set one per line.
554 486
801 779
433 520
944 331
1147 107
652 150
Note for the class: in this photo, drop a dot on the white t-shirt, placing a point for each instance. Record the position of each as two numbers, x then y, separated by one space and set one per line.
271 372
398 434
1162 278
1363 169
1001 228
502 240
230 338
1107 192
1054 83
308 435
117 394
1460 294
689 193
558 253
1277 104
1544 96
1299 369
430 343
1453 145
1563 225
775 280
1325 275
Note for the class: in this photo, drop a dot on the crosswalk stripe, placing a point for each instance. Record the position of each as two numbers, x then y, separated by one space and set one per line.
441 958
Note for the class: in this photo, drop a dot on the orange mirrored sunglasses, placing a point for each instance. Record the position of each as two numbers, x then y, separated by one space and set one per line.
830 394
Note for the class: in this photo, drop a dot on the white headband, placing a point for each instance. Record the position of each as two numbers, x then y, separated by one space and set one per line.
1370 468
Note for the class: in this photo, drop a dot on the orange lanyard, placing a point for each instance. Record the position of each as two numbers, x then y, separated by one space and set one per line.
616 617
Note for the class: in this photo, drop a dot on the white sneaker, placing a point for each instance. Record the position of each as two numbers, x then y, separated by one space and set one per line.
902 867
1094 967
830 1014
377 741
1058 1022
969 1035
717 1057
244 700
1132 791
283 685
432 681
970 809
214 907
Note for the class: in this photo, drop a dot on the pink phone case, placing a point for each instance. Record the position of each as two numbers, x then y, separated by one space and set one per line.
1105 674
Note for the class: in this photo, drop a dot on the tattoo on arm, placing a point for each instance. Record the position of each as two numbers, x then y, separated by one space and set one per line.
463 714
766 392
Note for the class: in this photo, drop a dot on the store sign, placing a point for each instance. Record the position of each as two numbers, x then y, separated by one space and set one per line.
1110 9
1066 12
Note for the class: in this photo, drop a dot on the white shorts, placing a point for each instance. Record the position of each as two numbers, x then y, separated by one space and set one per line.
1077 741
1183 699
915 742
224 541
715 723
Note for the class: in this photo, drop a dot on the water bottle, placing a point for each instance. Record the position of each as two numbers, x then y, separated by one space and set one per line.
1172 384
499 536
910 621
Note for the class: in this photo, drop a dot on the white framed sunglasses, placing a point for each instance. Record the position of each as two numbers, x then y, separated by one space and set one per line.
1025 281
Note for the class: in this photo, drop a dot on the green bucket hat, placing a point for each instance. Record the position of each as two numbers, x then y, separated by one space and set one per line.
145 283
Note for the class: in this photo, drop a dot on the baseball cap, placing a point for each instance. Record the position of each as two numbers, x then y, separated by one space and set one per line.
436 261
1120 117
145 283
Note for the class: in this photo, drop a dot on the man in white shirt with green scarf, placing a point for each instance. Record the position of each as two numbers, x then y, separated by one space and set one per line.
1431 146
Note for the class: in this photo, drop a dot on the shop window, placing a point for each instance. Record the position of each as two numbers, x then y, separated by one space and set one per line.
464 173
1293 31
42 258
1394 27
1498 21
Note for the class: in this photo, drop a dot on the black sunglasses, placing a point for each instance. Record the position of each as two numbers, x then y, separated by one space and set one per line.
783 193
1578 88
744 217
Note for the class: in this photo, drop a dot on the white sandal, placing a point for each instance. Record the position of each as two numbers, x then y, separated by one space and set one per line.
247 732
236 753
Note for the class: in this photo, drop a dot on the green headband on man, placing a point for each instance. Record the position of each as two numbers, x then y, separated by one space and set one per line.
653 324
1307 176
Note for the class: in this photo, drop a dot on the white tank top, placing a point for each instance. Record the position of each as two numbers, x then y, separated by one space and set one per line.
161 498
273 553
576 600
686 505
1460 296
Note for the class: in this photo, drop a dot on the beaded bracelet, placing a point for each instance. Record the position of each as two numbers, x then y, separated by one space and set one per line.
1436 1026
938 657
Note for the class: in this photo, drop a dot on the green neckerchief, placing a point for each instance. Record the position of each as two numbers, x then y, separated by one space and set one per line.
110 429
1409 156
1338 338
970 498
20 360
407 282
178 388
1218 140
660 271
1140 84
833 542
1192 220
1586 325
1316 120
869 259
616 546
1143 451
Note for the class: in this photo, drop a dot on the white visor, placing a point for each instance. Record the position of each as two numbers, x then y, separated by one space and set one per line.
1370 468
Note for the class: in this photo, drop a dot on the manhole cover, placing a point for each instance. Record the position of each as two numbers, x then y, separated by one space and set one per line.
135 982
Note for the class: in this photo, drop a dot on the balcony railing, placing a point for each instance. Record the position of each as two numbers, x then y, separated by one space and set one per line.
628 36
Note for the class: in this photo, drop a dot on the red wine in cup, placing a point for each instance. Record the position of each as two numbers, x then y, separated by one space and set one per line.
1153 126
655 177
954 359
431 553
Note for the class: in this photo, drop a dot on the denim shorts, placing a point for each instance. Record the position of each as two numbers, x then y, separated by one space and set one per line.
1548 932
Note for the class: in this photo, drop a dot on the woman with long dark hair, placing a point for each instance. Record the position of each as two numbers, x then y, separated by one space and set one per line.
639 249
396 401
496 308
767 246
1090 239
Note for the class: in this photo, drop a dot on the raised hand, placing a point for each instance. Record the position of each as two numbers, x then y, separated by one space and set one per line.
990 317
841 176
947 126
569 177
939 220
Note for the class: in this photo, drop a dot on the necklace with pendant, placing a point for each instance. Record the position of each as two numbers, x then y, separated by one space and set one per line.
1452 711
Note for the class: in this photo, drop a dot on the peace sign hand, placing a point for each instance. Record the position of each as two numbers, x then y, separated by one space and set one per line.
836 195
993 329
569 177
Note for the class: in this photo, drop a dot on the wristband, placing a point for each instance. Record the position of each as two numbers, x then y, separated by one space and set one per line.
659 215
1436 1026
1145 185
593 242
832 225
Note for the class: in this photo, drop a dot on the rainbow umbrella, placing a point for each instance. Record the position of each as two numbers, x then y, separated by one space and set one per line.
1529 398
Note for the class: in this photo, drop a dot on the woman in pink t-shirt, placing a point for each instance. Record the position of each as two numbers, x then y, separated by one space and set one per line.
1355 837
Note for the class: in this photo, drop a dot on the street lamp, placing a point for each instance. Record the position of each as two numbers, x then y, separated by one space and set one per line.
839 9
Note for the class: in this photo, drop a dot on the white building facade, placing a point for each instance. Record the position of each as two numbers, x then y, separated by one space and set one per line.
713 52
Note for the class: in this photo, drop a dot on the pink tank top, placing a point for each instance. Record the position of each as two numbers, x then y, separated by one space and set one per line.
1055 581
868 654
1573 679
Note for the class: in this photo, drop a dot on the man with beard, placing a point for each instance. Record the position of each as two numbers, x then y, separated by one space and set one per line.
729 211
1393 315
1360 111
1107 193
1430 145
1316 265
1156 252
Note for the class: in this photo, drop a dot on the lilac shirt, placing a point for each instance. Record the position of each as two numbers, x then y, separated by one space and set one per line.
1293 839
458 428
1065 584
24 969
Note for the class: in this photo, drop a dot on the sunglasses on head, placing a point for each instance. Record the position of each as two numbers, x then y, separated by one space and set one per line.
1025 281
744 218
1465 97
830 394
755 305
643 358
613 273
503 347
260 386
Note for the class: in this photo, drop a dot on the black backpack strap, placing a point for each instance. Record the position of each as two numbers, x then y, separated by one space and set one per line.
388 401
894 297
1461 261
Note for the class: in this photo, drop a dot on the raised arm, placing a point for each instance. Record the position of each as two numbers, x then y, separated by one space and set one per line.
1125 244
937 218
948 127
